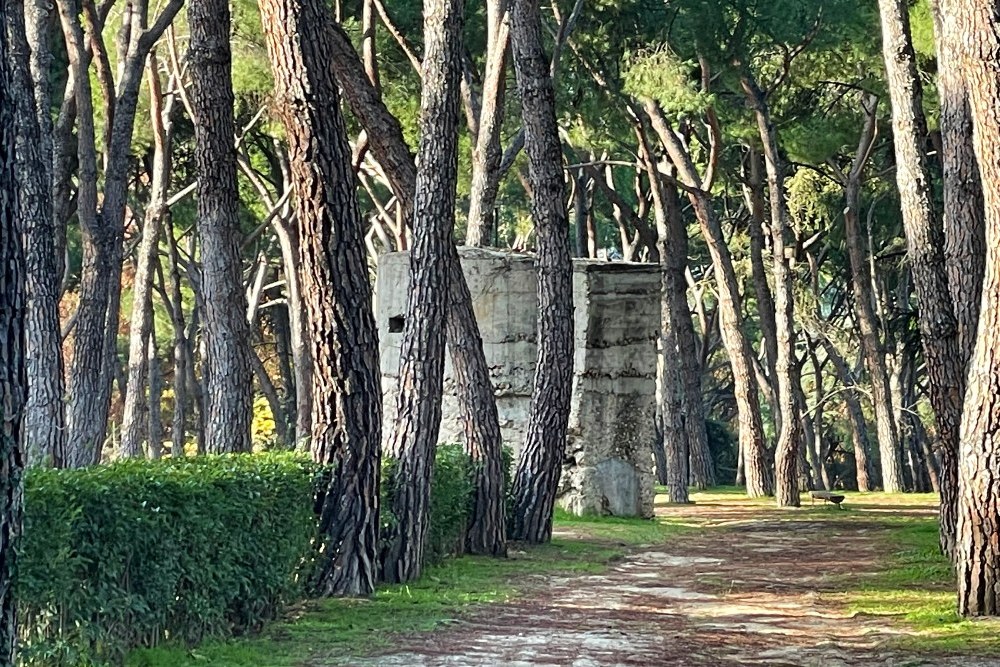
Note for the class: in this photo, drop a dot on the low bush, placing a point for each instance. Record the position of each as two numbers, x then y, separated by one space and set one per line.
144 552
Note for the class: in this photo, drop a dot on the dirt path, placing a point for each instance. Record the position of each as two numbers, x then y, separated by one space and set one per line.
747 589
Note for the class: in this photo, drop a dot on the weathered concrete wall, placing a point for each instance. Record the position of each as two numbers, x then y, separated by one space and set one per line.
608 465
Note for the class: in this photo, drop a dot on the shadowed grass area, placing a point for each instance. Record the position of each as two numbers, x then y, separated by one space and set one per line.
319 631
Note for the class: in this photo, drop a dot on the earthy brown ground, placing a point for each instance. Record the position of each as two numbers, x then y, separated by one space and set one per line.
747 589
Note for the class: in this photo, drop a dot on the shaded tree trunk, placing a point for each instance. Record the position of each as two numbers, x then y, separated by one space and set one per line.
226 366
540 465
422 351
786 366
347 391
13 364
925 248
673 429
44 417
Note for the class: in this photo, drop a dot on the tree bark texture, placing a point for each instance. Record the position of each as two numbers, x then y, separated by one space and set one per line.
347 410
751 429
477 402
977 554
701 467
13 363
422 351
44 416
226 334
964 231
856 417
540 466
869 326
134 421
786 367
673 428
925 249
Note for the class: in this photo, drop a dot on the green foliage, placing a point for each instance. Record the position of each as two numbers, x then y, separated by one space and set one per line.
141 551
725 450
661 75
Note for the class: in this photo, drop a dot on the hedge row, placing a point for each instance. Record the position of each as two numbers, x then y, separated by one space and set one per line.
142 552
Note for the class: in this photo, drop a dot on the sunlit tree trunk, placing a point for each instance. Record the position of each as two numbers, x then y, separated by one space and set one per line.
977 553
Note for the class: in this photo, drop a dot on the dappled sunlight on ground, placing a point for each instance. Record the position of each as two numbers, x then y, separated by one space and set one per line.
751 585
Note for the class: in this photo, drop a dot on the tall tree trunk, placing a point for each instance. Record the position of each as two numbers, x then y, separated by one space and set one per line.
422 351
540 464
786 367
44 423
178 425
487 152
134 423
673 428
925 248
13 365
155 399
701 467
753 192
227 371
347 411
872 346
964 231
481 424
84 421
751 429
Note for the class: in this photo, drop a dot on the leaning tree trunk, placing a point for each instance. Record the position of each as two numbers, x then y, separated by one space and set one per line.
977 556
347 410
475 393
134 423
44 422
754 455
422 351
226 367
925 247
872 347
786 367
13 365
540 465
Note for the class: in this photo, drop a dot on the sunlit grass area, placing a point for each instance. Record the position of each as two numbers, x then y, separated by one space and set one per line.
916 585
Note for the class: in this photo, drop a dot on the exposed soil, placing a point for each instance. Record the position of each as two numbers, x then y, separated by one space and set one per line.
745 590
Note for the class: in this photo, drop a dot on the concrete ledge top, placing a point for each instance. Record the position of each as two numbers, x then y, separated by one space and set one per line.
580 265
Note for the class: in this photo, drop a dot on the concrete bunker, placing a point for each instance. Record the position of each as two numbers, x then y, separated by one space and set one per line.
608 466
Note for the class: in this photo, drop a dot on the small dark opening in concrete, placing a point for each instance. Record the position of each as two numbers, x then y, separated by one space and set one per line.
396 324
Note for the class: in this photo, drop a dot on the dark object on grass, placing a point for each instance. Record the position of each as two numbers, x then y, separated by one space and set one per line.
827 496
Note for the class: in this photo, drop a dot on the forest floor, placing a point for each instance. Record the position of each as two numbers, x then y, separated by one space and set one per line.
723 581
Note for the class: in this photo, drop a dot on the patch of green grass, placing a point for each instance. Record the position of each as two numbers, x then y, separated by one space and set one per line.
620 530
916 584
320 632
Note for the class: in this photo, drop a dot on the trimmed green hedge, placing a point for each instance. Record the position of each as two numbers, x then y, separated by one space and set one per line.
142 552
